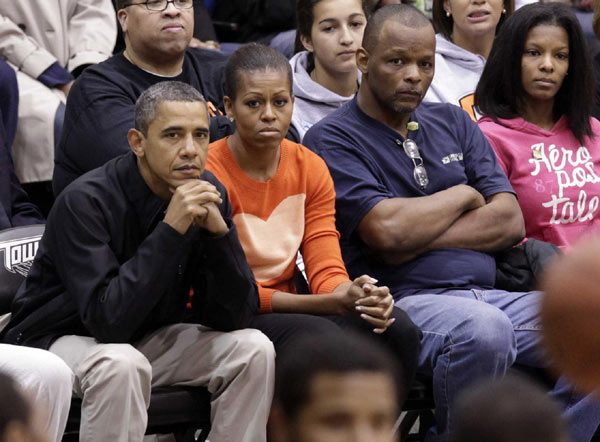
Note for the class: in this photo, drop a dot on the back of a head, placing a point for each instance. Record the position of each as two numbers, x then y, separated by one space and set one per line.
509 410
335 354
14 408
401 14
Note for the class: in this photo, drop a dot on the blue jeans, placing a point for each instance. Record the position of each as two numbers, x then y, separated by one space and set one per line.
471 334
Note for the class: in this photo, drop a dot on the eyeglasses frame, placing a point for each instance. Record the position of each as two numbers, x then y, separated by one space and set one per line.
414 155
160 10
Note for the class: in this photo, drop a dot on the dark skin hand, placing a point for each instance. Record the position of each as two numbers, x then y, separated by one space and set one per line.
195 202
373 303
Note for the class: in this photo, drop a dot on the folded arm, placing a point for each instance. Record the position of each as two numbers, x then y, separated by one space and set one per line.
396 230
495 226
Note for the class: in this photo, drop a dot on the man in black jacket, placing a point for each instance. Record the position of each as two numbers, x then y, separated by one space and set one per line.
110 286
100 108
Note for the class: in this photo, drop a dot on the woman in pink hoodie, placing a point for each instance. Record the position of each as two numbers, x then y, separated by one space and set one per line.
536 93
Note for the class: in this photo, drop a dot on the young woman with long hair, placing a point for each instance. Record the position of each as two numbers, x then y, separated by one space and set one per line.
537 93
324 68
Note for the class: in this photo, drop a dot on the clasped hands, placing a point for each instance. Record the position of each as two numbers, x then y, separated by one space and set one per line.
374 304
195 203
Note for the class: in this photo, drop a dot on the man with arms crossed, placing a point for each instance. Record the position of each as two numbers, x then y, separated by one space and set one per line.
109 288
421 203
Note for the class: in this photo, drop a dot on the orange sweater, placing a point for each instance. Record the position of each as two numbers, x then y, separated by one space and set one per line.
294 210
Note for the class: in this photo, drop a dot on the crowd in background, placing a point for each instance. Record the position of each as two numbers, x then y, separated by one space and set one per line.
413 166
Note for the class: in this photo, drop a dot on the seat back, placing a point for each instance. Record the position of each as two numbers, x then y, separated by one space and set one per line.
18 247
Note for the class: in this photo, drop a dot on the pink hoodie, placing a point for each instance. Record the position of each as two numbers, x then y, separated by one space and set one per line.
557 180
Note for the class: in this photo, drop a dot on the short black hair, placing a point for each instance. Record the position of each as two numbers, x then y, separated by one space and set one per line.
513 409
443 24
120 4
405 15
13 407
253 57
147 104
500 93
340 353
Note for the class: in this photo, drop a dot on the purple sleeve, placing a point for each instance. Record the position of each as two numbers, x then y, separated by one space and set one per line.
55 75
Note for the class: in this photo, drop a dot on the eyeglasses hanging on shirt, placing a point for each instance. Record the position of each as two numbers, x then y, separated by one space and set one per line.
412 151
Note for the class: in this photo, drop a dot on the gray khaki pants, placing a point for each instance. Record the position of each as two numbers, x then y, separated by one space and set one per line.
114 380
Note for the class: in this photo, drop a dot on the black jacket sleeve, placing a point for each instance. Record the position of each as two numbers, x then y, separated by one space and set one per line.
226 298
113 298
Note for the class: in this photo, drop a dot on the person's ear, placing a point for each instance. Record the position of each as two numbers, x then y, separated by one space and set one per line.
447 8
362 60
228 103
306 42
136 142
122 17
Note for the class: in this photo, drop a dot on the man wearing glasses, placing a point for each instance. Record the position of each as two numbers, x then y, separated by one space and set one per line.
421 205
100 109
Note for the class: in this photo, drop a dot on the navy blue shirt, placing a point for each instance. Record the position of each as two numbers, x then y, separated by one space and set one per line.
15 208
55 75
368 164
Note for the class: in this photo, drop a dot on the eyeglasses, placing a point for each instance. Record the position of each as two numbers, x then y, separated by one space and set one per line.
412 151
161 5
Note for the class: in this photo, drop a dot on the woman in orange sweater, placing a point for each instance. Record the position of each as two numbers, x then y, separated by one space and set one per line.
283 202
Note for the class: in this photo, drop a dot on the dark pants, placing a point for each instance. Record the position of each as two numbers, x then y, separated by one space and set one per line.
9 101
284 328
402 338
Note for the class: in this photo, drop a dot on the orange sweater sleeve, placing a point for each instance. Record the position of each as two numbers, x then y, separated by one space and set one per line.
265 295
320 246
305 174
